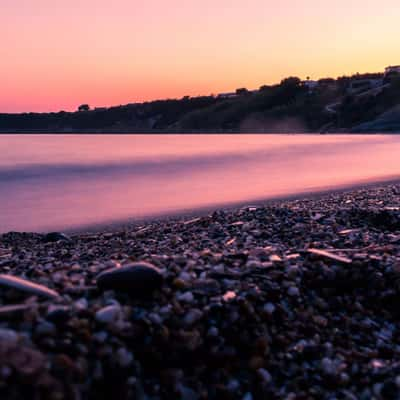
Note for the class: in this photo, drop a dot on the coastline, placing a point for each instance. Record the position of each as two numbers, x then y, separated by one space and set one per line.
314 194
192 132
297 298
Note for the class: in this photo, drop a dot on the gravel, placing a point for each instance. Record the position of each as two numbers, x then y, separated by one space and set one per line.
293 300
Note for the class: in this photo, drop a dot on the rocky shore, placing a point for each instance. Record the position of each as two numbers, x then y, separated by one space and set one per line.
294 300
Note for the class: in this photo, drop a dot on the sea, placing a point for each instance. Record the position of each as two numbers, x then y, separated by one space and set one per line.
71 182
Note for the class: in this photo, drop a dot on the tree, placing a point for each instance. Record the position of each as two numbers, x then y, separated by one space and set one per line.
326 81
264 88
84 107
241 91
292 81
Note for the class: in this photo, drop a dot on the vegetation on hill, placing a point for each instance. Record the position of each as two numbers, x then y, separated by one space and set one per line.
355 110
290 106
279 107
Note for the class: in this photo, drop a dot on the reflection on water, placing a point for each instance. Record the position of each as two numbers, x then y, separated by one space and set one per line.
58 182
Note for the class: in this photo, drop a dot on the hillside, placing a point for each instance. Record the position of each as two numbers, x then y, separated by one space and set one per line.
356 104
389 121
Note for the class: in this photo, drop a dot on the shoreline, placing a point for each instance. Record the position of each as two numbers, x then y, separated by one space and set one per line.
313 194
190 132
293 299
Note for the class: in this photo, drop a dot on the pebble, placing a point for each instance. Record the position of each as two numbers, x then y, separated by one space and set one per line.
192 317
328 366
81 304
293 291
8 336
58 314
124 357
100 337
213 332
265 375
186 297
26 286
155 318
53 237
226 322
135 278
45 328
109 314
233 385
185 276
187 393
229 295
269 308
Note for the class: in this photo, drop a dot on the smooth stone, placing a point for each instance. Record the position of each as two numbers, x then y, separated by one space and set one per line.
124 357
155 318
53 237
187 394
233 385
109 314
27 286
58 314
81 304
186 297
100 337
136 278
192 317
8 336
213 332
45 329
269 308
293 291
265 375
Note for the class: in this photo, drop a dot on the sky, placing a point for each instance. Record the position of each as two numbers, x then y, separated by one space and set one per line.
56 55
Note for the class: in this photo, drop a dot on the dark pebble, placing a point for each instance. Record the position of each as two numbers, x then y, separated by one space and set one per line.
136 278
58 314
53 237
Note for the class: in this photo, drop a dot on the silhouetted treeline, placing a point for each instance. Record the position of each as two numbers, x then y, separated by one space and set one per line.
290 106
152 115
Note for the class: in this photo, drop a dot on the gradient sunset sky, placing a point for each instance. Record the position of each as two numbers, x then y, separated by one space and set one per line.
57 54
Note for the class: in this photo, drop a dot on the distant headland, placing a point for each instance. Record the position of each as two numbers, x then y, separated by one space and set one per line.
359 103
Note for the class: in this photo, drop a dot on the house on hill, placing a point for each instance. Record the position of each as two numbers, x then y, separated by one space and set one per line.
395 69
231 95
310 85
362 85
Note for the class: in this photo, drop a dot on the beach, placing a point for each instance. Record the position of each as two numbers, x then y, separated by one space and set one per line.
78 181
293 299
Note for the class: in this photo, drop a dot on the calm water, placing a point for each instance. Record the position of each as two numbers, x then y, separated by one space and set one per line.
61 182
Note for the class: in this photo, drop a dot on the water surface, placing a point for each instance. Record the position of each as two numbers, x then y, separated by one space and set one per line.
50 182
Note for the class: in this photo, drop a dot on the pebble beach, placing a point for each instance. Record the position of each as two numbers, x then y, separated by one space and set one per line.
297 299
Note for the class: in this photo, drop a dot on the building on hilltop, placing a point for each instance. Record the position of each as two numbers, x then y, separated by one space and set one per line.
362 85
227 95
310 85
238 93
395 69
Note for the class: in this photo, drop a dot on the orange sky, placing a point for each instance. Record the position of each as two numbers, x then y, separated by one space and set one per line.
57 54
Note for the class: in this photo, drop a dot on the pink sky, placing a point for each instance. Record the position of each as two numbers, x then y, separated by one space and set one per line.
58 54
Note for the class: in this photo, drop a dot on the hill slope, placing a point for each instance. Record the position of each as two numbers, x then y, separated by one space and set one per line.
290 106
